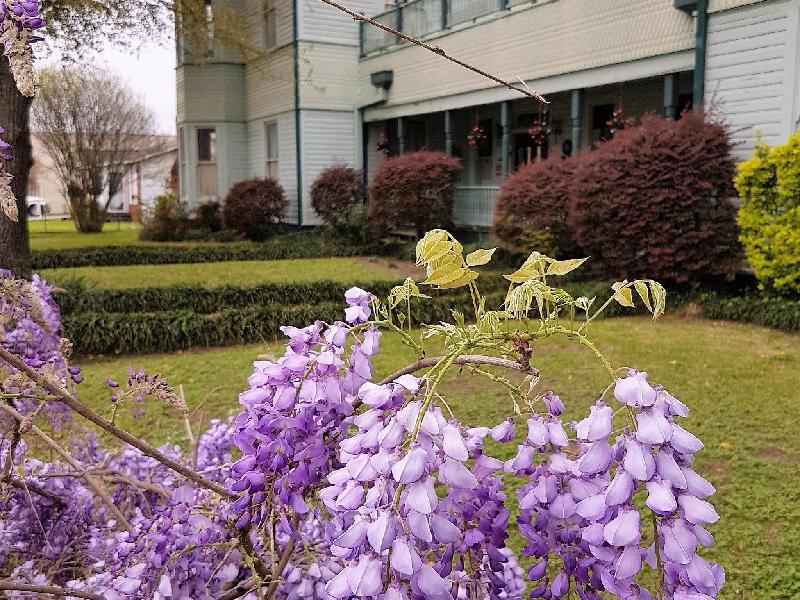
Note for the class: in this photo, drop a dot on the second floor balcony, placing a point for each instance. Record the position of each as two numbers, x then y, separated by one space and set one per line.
422 18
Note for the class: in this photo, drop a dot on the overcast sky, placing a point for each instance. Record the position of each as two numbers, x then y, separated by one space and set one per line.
150 73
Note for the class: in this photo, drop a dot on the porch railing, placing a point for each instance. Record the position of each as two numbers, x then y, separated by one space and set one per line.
419 18
474 206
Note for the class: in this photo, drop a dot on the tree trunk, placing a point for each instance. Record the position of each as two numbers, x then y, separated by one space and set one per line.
89 215
15 252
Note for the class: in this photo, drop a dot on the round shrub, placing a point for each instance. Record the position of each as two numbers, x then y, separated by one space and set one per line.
337 189
654 202
254 207
208 216
166 221
414 190
531 211
769 217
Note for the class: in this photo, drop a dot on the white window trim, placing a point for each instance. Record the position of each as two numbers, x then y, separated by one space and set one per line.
277 155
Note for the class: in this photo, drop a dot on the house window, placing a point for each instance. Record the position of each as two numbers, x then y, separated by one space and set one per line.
270 25
209 10
207 145
271 130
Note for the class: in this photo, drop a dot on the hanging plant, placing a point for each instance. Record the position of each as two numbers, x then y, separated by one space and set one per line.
383 144
477 137
617 121
539 132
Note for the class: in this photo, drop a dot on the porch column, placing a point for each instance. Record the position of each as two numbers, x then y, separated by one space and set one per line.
448 132
505 140
670 95
401 135
576 113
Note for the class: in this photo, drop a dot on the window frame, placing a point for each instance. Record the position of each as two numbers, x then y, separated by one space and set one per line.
270 25
212 146
275 159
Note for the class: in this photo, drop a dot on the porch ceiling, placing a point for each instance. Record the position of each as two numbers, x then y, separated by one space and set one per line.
639 69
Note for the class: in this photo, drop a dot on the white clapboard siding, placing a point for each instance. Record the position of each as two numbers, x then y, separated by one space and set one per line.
255 23
327 138
751 70
319 22
270 84
287 167
329 76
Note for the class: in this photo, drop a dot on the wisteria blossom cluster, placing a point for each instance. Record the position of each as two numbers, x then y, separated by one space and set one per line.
20 24
30 327
336 483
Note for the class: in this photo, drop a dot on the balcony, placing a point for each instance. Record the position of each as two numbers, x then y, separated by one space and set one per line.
421 18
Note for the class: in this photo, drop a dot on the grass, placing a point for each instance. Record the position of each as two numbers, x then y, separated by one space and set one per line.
62 234
229 273
739 381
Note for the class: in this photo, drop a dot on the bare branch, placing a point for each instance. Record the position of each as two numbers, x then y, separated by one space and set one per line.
7 584
436 50
39 491
121 434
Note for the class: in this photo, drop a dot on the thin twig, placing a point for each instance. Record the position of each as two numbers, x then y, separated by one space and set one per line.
7 584
121 434
39 491
284 560
93 483
436 50
466 359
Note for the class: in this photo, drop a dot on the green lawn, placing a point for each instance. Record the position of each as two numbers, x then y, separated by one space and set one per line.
47 235
739 381
230 273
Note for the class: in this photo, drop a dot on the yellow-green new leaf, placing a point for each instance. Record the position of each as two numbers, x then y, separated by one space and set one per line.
479 257
562 267
644 294
623 294
461 281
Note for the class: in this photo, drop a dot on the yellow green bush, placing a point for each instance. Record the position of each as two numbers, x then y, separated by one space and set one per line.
769 218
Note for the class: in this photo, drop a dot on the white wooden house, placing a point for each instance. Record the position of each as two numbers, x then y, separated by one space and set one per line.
328 91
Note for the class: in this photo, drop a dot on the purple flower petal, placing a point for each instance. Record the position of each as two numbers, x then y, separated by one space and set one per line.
597 425
453 443
652 428
624 530
696 511
597 458
638 461
660 498
634 390
411 467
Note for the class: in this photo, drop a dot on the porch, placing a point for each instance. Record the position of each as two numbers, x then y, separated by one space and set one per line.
493 140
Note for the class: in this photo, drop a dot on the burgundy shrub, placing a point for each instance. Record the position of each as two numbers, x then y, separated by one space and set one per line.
335 191
531 211
654 202
414 190
254 207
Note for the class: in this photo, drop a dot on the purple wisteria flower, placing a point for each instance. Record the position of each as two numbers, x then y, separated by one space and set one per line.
358 309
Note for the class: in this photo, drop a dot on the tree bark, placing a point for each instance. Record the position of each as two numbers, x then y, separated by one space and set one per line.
15 252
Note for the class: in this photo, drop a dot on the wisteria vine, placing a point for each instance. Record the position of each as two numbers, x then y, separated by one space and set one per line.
340 483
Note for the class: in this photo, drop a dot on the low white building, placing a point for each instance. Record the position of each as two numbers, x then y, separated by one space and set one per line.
328 90
149 171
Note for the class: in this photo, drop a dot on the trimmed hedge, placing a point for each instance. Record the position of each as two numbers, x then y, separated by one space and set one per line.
141 333
293 246
769 311
77 299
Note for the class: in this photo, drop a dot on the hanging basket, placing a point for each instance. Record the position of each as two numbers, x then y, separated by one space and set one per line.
617 122
477 137
383 144
539 132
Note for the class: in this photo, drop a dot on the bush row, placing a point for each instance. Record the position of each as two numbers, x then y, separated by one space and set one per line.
141 333
290 246
769 311
651 202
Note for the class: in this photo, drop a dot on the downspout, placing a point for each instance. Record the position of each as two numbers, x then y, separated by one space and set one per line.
700 45
297 127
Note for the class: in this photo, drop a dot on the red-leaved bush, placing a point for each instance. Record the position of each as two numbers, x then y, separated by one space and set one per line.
254 207
414 190
654 201
531 211
335 191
